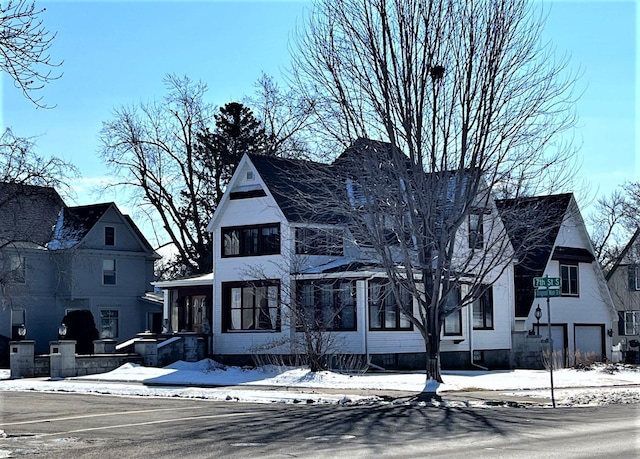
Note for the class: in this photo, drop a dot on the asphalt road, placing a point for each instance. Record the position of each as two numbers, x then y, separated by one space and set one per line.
91 426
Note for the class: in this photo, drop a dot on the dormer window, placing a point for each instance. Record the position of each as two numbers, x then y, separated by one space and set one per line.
249 175
109 235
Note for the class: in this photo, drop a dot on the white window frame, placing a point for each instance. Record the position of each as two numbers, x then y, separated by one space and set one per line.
112 321
631 323
577 270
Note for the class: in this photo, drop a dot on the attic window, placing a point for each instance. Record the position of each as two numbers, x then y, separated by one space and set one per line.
109 235
247 194
249 175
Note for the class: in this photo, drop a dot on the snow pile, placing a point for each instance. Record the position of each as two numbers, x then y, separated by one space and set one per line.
600 384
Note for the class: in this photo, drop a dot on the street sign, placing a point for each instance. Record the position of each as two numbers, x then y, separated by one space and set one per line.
546 282
547 292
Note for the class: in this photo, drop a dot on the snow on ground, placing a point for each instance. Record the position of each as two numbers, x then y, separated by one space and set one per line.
208 379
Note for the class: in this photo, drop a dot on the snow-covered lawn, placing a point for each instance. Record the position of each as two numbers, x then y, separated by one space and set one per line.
210 380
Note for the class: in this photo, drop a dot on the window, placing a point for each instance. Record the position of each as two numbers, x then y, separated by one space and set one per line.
386 309
251 305
108 323
246 241
109 235
631 322
315 241
326 305
483 308
634 277
17 265
108 272
569 280
476 231
452 320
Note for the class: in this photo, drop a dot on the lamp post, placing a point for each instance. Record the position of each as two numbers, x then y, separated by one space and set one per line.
538 315
62 331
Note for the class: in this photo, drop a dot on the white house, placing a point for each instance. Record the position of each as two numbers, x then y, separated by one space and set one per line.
267 251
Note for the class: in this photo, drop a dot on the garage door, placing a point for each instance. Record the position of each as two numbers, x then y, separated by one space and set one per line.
588 343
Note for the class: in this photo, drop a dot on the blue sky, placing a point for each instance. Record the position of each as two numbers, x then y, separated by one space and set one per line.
117 52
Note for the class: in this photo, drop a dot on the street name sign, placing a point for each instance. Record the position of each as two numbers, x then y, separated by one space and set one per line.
548 282
547 292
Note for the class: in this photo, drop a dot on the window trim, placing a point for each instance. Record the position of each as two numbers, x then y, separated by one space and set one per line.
635 322
110 237
106 271
115 334
569 293
226 306
384 284
242 249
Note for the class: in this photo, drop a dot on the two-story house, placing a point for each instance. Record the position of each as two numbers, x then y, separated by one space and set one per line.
276 266
624 283
57 258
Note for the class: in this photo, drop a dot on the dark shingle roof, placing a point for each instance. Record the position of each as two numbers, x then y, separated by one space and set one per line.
297 187
532 225
28 213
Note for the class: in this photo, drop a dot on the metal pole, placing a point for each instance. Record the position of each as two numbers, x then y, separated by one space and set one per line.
553 399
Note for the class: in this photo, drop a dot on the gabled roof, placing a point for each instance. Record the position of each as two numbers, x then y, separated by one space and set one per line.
620 261
532 242
74 223
28 213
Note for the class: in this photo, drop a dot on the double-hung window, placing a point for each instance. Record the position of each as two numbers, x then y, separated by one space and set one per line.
387 306
251 306
109 272
326 305
569 280
453 317
631 322
108 323
483 308
244 241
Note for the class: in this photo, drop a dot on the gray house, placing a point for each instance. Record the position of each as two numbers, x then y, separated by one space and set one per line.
624 284
55 259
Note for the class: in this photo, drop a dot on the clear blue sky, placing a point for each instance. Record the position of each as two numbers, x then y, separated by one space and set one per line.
117 53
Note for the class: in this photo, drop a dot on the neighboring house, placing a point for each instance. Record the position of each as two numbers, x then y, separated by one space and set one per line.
624 283
582 316
270 253
56 259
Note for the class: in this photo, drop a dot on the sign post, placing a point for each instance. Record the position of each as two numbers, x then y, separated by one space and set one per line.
546 287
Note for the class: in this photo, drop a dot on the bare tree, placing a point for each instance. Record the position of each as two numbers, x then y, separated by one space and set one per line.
470 102
175 167
24 48
286 115
613 221
20 164
151 151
